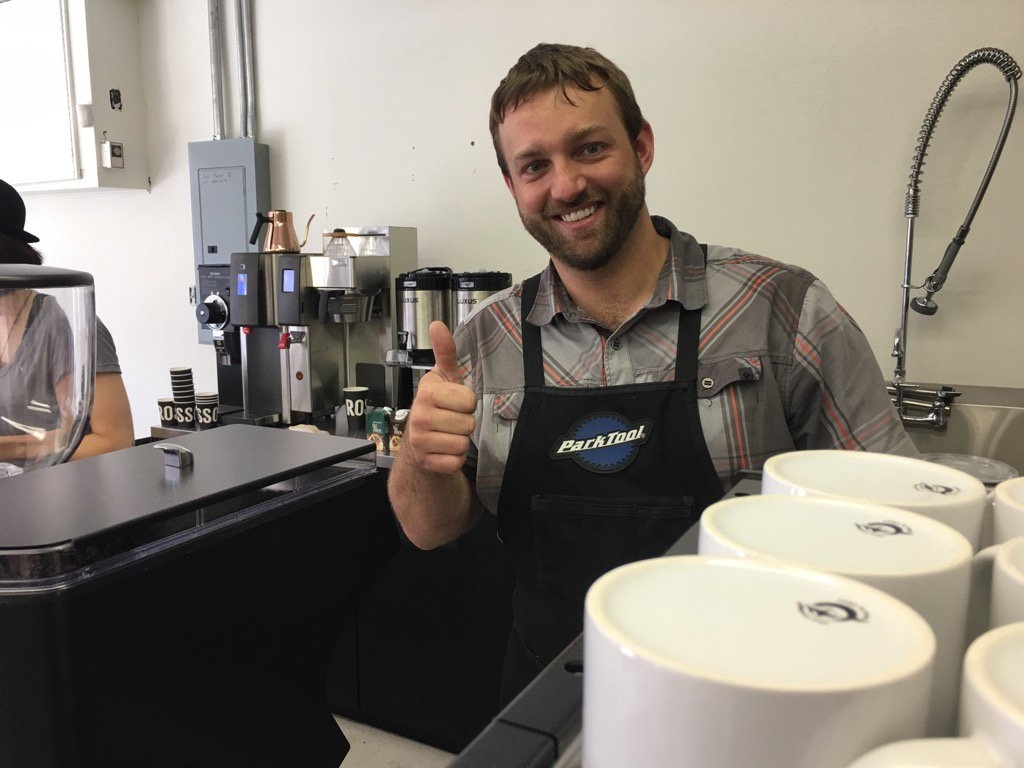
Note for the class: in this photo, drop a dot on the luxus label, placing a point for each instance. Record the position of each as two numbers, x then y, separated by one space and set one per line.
603 442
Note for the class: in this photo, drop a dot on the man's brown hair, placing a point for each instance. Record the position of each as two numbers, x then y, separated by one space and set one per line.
551 65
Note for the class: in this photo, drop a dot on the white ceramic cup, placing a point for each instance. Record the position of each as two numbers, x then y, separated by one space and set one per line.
989 471
1008 510
731 663
997 588
924 563
991 713
941 493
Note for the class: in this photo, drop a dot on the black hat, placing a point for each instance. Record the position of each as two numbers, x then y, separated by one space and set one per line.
12 214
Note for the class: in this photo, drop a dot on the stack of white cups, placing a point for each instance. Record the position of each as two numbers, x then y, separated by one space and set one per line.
924 563
656 674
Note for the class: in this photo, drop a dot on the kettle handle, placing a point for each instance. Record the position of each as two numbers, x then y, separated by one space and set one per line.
305 234
261 219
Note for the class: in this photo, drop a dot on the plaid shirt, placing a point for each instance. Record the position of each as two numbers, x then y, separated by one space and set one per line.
781 364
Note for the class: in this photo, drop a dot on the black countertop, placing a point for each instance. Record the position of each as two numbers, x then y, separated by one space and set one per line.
64 517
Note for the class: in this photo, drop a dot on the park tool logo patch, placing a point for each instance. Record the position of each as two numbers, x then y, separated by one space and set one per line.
603 442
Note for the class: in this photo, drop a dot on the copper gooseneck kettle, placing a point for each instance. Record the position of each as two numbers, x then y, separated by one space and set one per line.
280 237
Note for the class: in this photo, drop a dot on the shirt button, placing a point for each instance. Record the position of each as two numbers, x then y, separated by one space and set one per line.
616 344
707 382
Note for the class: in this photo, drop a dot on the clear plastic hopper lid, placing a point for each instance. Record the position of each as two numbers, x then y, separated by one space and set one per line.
47 367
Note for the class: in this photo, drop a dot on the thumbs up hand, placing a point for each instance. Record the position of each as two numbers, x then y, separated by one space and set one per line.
446 361
441 419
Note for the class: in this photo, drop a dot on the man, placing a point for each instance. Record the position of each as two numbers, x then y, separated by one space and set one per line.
600 406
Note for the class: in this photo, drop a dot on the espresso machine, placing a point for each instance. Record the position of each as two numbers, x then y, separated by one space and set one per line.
297 328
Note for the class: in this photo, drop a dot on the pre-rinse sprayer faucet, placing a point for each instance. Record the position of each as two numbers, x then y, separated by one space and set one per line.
940 399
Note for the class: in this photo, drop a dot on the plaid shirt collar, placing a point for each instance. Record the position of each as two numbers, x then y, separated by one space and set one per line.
682 279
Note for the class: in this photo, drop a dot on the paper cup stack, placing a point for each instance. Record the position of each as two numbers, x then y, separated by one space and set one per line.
207 405
184 391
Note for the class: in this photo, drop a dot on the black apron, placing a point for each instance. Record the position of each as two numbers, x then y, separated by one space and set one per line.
595 478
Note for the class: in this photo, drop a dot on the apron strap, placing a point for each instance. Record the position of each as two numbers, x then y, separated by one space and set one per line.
533 358
689 330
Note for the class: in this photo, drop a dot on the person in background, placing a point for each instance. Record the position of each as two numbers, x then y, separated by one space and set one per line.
110 422
597 408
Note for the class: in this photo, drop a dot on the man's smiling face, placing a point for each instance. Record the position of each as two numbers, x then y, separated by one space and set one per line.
577 178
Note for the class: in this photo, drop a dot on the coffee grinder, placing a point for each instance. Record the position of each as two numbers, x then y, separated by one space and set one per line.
214 313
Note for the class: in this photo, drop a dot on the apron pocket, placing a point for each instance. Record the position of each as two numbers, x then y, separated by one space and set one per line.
579 538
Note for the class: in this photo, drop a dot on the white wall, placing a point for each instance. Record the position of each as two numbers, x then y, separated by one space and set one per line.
785 127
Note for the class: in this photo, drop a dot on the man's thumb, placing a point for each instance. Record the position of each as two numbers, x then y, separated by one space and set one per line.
446 361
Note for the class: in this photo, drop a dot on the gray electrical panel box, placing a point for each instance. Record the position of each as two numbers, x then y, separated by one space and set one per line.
229 183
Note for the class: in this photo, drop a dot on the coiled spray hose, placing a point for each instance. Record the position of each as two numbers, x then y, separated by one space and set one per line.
1011 71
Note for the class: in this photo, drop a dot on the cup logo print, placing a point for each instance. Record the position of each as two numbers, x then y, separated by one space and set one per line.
355 407
943 490
167 412
603 442
884 528
833 612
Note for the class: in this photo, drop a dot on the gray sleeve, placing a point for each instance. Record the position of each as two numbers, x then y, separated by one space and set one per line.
106 352
837 388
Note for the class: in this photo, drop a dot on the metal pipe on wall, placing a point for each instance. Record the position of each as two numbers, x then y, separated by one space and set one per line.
213 12
246 69
243 96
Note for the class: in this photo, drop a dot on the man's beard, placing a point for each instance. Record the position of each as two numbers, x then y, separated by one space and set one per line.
597 248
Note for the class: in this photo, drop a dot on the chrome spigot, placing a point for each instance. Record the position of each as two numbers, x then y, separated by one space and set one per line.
922 407
925 305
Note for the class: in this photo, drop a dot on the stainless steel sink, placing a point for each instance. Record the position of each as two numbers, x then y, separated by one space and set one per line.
983 421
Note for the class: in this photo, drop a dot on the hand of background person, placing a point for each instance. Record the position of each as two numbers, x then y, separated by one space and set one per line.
441 419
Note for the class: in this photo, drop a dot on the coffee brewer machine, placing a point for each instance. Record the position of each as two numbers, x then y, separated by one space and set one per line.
354 279
307 325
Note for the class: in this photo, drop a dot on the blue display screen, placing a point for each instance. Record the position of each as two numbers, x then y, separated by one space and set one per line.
288 280
243 282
